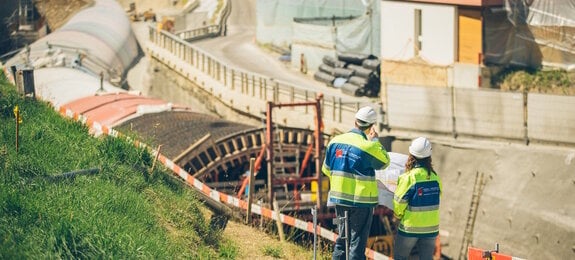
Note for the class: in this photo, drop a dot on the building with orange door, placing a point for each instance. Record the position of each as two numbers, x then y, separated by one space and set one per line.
462 43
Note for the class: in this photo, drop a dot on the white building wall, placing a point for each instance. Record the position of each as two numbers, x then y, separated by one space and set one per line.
438 32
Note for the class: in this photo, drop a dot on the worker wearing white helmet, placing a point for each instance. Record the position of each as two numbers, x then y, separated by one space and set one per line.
416 203
350 163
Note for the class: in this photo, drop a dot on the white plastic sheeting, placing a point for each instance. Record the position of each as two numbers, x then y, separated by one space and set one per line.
100 36
355 36
553 25
348 35
63 85
275 23
106 21
531 34
316 40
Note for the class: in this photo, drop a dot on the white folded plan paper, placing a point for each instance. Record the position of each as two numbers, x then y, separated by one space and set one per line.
387 179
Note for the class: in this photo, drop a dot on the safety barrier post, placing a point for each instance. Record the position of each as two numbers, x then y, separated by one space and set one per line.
250 190
158 150
345 236
346 229
279 221
314 214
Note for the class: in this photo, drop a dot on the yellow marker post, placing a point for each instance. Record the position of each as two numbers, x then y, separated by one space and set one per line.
18 121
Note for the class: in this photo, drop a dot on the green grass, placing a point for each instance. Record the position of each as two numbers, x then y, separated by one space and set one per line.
273 251
122 212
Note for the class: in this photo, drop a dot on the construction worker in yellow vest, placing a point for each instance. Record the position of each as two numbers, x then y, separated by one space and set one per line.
350 163
416 204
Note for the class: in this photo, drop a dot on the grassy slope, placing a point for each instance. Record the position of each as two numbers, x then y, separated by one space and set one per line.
557 82
122 212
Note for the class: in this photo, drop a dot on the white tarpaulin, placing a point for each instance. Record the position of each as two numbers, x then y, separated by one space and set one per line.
531 34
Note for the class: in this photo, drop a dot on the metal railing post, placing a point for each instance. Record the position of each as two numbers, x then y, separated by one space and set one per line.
233 79
340 108
333 107
253 86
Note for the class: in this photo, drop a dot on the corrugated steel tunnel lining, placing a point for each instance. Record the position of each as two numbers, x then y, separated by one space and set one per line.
176 131
218 152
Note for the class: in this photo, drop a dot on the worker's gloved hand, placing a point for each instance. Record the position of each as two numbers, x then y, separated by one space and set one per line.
395 224
395 221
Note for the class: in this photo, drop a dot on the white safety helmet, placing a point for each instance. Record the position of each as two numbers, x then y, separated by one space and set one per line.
420 148
365 116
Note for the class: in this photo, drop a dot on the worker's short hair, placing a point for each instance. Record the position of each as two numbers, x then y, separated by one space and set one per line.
361 125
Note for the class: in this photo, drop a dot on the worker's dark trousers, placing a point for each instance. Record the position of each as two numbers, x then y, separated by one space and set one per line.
359 225
403 246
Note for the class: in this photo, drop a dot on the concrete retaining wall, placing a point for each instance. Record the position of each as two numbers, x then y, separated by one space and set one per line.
419 108
482 113
489 113
551 118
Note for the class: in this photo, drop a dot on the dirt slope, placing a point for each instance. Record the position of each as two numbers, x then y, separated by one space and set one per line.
57 12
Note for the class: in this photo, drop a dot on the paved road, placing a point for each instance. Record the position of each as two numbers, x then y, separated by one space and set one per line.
239 49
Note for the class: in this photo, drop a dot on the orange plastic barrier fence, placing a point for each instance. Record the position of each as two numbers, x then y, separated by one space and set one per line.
480 254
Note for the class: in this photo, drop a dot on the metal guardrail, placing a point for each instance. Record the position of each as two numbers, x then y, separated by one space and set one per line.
199 33
336 110
217 29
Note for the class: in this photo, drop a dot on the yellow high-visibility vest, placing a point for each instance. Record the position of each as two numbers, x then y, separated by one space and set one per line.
416 203
350 163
